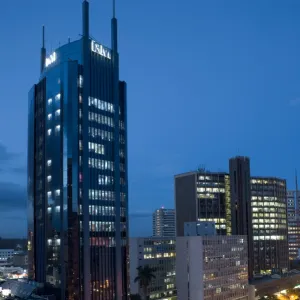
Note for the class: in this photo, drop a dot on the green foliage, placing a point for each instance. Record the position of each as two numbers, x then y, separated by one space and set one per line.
145 275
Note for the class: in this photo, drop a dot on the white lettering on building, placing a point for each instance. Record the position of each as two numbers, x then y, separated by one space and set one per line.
51 59
99 49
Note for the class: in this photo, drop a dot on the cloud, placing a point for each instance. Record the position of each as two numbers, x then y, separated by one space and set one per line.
140 214
19 169
294 102
11 163
12 197
6 155
13 212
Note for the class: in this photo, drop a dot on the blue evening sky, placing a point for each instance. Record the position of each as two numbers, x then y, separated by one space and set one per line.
207 80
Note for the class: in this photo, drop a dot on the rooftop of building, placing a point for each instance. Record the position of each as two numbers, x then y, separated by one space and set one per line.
200 172
16 244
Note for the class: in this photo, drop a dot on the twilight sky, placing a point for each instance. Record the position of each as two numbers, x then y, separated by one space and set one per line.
207 80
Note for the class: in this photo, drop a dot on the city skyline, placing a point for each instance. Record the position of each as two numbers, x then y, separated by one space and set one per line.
238 53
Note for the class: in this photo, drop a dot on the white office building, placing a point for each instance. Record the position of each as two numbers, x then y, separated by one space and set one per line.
6 254
164 222
212 267
158 254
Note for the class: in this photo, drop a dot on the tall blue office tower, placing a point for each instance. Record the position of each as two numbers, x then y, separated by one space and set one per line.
77 171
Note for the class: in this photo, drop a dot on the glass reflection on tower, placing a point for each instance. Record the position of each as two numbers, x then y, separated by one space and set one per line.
77 171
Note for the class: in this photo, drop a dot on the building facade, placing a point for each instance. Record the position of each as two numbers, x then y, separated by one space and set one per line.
199 229
203 196
164 222
212 267
269 217
240 192
6 254
77 171
293 216
159 254
20 260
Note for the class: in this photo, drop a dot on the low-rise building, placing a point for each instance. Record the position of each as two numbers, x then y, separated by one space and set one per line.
212 267
20 259
158 254
6 254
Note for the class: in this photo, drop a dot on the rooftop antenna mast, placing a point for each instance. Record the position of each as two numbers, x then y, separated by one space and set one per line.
114 30
114 8
43 50
296 196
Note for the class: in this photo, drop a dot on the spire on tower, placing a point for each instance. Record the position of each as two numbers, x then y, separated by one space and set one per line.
296 180
114 8
85 18
43 36
43 50
114 30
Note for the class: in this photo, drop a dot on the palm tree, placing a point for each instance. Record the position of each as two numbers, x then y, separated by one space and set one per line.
145 275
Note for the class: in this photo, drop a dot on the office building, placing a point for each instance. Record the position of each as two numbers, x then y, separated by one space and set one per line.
270 245
77 171
20 260
203 196
6 254
164 222
293 216
159 254
241 214
212 267
199 229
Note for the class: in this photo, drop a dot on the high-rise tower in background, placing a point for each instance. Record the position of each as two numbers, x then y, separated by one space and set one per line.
77 171
203 196
293 215
164 222
240 191
239 205
269 219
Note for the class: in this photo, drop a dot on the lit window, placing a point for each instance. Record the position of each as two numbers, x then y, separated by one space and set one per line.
49 194
57 208
49 162
49 117
49 131
97 148
49 101
57 128
57 113
49 178
57 192
80 81
57 97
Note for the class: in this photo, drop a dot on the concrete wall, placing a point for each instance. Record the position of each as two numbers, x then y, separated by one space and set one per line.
185 201
133 264
189 276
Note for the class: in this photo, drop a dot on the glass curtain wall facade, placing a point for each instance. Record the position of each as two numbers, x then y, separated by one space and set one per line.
269 218
77 171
